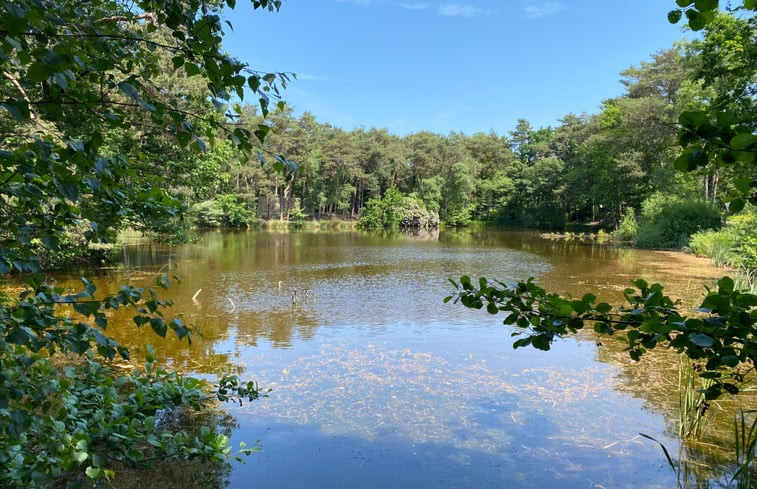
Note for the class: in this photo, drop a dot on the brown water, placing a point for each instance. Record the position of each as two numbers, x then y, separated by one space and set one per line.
378 384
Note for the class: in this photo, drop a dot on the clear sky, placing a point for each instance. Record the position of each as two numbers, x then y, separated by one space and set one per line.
445 65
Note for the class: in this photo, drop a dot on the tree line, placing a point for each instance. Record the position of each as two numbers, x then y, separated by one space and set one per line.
590 168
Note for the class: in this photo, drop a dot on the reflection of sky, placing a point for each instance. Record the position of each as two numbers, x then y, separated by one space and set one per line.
453 399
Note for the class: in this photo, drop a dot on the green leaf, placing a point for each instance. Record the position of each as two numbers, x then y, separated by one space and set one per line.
730 360
703 5
684 3
731 389
743 141
726 284
69 191
19 111
254 83
177 61
38 72
80 457
697 21
692 119
129 90
191 69
604 308
736 205
541 342
701 339
674 16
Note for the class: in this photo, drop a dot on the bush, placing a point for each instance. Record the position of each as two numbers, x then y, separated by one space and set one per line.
628 228
68 420
225 210
669 222
396 210
735 245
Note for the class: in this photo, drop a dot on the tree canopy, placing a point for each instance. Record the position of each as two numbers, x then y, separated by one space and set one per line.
100 101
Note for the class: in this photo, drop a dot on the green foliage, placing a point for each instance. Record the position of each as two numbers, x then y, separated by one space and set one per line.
80 419
745 444
101 105
669 221
734 245
692 402
395 210
296 215
628 228
722 336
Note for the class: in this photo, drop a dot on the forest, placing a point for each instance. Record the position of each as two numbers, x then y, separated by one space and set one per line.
591 168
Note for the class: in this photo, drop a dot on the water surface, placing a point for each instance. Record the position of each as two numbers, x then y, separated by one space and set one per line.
378 384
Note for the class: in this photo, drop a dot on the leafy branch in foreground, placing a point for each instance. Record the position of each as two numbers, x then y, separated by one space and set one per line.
98 100
722 334
78 419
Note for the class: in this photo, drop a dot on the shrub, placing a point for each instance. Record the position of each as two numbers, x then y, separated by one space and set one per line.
225 210
396 210
628 228
734 245
669 222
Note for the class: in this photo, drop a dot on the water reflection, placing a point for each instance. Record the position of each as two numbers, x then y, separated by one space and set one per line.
378 384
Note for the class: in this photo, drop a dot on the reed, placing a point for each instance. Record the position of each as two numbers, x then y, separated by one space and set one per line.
745 445
692 404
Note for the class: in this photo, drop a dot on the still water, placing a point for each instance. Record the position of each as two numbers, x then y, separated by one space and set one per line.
376 383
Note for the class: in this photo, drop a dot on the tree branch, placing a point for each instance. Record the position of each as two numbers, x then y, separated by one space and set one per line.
21 90
123 18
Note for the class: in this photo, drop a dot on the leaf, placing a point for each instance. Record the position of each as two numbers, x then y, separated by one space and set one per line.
731 389
697 21
177 61
69 191
254 83
736 205
701 339
692 119
191 69
726 284
674 16
743 141
604 308
38 72
18 110
80 456
129 90
703 5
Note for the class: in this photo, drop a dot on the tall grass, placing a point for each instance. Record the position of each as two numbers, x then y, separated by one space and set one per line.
745 434
692 405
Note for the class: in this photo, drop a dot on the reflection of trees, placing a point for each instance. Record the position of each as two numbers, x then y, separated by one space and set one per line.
279 326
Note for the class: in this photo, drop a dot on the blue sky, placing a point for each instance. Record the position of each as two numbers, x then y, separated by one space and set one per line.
442 66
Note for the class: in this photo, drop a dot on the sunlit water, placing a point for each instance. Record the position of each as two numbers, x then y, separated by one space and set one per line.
376 383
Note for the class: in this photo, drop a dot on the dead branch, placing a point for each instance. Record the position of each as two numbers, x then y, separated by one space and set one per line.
21 90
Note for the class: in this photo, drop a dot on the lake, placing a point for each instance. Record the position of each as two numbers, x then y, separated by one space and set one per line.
376 383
